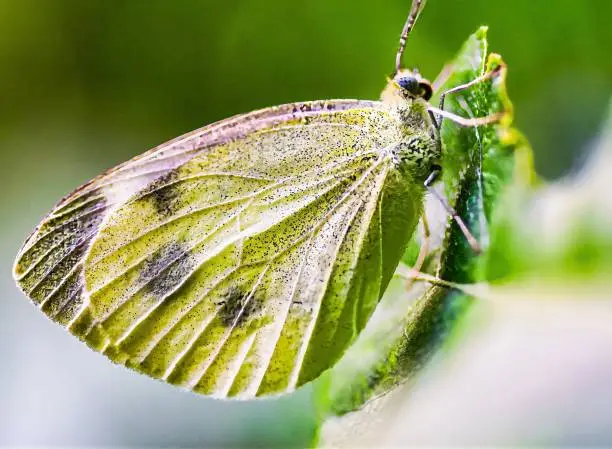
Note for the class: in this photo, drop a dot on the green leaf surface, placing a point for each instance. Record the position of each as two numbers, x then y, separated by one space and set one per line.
479 162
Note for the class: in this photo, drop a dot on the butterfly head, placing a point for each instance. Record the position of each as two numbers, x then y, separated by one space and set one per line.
407 85
412 84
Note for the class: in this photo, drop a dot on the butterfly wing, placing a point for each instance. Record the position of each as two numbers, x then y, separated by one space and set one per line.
238 260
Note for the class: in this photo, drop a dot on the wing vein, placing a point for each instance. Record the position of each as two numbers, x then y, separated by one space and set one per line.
58 286
39 237
310 329
228 332
238 362
259 376
78 245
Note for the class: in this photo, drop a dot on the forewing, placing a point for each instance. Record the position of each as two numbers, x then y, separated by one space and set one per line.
239 260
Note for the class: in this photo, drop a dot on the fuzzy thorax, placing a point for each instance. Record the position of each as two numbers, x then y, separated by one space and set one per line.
407 94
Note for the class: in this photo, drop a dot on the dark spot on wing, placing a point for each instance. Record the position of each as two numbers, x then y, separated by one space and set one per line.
236 306
56 238
54 259
69 290
164 193
313 106
304 107
166 268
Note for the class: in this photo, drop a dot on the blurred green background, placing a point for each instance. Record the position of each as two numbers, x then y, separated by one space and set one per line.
86 84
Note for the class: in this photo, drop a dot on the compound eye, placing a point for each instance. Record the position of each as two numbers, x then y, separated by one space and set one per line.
410 84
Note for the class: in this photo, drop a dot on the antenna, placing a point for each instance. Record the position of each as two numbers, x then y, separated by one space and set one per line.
415 10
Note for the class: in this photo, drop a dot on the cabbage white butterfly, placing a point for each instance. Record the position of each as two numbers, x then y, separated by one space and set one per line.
242 259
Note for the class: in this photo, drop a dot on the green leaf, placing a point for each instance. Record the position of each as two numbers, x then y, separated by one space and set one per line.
479 162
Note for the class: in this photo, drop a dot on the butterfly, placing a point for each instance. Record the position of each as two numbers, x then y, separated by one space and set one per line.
243 258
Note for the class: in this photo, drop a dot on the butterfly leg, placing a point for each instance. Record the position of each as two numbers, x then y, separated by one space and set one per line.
431 179
412 276
424 249
477 121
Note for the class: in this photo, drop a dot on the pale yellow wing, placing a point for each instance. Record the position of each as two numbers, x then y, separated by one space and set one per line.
239 260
